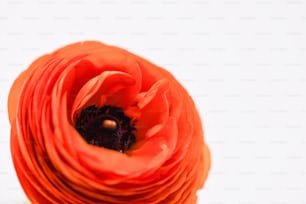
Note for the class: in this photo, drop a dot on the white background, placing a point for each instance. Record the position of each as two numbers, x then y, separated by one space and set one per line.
243 62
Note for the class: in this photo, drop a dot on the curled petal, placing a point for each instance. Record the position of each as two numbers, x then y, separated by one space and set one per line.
153 104
99 88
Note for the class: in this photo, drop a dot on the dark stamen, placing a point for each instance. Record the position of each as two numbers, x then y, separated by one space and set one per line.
106 127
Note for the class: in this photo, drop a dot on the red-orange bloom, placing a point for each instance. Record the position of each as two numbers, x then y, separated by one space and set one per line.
93 123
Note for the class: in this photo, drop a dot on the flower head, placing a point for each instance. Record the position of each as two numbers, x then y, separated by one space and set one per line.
92 123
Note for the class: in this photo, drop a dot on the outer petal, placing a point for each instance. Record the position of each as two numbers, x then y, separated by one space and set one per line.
17 86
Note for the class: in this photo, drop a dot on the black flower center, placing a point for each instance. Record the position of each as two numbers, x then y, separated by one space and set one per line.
107 127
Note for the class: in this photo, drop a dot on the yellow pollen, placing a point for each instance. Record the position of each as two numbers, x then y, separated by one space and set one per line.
109 124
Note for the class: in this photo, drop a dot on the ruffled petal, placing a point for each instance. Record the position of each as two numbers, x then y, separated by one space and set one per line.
17 86
101 90
153 104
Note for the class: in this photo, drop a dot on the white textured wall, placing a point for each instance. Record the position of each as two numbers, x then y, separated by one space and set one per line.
244 63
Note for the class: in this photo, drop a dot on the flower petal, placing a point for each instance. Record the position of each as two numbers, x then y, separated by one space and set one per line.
98 89
153 104
17 86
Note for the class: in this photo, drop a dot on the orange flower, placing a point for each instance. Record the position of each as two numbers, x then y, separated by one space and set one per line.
92 123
